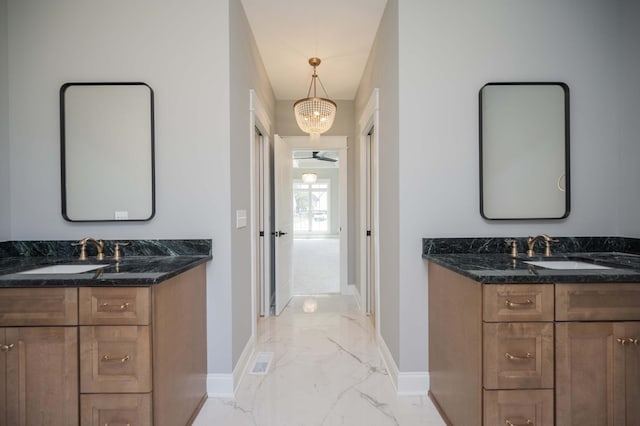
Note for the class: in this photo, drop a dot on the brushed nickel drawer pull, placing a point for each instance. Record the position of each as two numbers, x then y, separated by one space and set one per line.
113 424
121 359
510 423
629 341
518 305
114 308
529 355
6 348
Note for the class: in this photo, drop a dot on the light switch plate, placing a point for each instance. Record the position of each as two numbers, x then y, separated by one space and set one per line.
241 219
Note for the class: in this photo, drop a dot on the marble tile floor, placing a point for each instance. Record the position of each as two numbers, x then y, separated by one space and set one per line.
326 371
316 265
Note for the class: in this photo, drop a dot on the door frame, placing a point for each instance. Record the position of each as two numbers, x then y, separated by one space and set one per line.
333 143
369 119
260 183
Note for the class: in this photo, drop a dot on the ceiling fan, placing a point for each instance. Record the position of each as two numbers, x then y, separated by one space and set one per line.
317 155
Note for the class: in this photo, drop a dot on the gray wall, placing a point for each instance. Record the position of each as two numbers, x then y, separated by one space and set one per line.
429 129
382 72
447 51
5 219
181 49
247 72
629 90
343 126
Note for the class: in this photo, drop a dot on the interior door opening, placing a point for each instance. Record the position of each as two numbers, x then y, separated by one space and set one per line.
310 229
316 207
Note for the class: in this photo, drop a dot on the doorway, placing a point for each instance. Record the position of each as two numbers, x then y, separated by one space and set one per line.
316 207
315 211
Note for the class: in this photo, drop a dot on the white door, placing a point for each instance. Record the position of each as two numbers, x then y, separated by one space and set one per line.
283 187
371 233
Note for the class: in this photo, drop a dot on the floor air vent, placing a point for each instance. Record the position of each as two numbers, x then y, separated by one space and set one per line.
262 363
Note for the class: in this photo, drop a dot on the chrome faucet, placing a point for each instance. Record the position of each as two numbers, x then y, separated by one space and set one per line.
531 242
83 247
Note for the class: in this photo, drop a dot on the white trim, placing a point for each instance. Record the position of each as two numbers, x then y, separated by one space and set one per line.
258 117
405 383
370 118
220 385
413 383
337 143
243 363
353 289
387 359
226 385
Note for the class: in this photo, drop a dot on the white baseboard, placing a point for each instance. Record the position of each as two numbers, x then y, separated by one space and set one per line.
225 385
356 295
405 383
220 385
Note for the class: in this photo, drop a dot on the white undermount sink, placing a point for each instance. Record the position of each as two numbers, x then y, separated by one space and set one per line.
565 264
63 269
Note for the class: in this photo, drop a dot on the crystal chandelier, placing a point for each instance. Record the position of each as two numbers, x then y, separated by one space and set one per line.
315 115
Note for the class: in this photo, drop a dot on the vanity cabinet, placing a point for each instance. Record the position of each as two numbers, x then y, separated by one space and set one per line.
533 354
39 362
491 351
598 362
99 356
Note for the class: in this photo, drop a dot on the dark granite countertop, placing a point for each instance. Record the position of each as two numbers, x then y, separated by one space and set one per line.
144 268
471 258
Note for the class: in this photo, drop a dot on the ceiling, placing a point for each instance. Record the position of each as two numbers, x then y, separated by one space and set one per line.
339 32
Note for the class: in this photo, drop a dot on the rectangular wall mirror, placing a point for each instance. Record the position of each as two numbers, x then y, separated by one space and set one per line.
107 151
524 151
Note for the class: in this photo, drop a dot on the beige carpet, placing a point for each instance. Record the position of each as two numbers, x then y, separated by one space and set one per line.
316 266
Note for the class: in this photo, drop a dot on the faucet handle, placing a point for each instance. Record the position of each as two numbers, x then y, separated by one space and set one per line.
514 246
117 255
83 248
547 245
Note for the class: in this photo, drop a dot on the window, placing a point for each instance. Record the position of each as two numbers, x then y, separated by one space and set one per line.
311 206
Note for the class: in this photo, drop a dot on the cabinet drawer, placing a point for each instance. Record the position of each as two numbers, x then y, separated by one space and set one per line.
114 305
598 302
115 409
115 359
518 355
518 408
38 306
517 302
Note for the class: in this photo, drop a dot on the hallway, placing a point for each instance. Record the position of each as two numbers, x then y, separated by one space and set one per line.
316 266
326 371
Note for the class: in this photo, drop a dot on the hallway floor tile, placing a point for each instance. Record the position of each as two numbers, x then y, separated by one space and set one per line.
326 371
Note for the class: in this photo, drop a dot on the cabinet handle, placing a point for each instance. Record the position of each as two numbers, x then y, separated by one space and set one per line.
629 341
518 305
121 359
510 423
6 348
114 424
114 308
529 355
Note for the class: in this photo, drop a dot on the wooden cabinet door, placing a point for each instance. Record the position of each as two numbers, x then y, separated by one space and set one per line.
42 376
518 355
589 374
4 348
115 359
629 407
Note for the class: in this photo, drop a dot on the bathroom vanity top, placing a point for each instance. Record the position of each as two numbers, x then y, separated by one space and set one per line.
487 260
502 268
142 270
146 262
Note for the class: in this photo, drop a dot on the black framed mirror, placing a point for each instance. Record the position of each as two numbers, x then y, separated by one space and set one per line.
524 151
107 151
